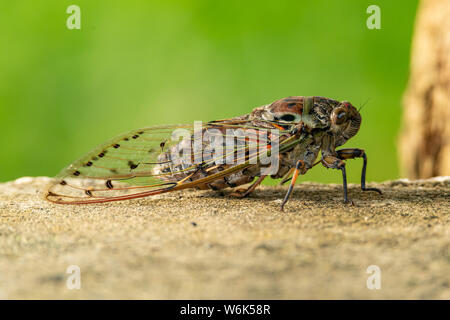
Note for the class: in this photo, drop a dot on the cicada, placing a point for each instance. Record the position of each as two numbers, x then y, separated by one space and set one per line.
281 140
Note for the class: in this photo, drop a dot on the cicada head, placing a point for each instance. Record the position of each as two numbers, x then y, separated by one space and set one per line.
345 122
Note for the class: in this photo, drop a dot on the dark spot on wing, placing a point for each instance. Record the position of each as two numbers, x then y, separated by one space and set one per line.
116 145
77 173
135 136
126 139
63 183
132 165
88 164
109 184
88 192
113 170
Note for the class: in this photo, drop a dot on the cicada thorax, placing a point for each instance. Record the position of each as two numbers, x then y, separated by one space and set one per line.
313 116
319 116
313 112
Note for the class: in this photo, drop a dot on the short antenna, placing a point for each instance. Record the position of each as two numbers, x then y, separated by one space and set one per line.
360 108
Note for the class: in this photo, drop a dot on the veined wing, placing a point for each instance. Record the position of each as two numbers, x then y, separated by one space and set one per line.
144 162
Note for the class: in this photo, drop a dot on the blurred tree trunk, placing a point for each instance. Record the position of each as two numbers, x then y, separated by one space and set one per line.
425 140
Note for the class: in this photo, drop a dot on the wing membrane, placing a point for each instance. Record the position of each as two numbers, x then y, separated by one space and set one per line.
141 163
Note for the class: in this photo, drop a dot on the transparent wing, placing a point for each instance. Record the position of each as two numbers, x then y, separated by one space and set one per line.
147 161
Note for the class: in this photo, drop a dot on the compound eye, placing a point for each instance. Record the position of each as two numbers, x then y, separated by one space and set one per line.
341 116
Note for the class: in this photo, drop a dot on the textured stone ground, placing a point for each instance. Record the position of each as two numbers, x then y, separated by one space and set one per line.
198 244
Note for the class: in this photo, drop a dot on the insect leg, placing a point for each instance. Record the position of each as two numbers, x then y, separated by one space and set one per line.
287 177
333 162
299 167
344 182
357 153
241 193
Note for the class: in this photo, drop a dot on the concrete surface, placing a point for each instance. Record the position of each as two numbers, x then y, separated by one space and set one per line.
197 244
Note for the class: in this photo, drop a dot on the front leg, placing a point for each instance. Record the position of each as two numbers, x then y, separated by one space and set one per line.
333 162
345 154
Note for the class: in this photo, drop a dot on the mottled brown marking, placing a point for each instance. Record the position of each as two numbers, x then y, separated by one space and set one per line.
291 104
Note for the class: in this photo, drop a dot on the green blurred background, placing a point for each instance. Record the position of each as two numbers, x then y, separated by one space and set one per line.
139 63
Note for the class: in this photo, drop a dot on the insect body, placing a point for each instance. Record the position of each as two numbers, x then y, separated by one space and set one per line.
280 140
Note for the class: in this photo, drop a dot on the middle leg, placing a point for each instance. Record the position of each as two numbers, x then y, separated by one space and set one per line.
333 162
241 193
